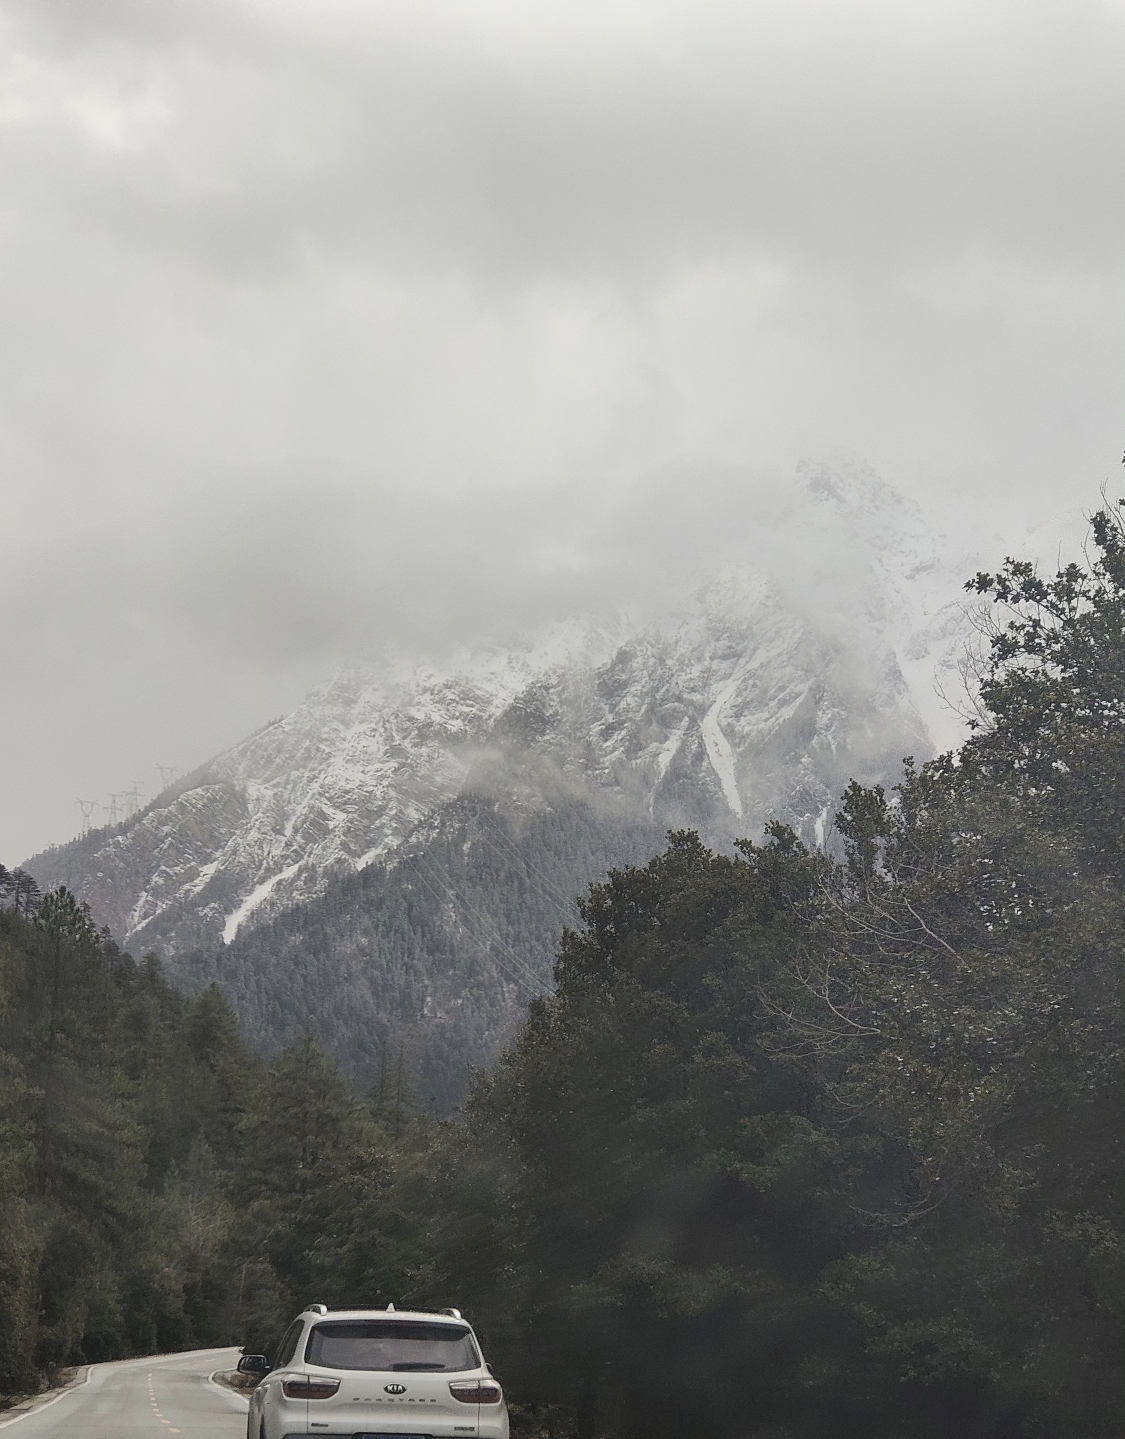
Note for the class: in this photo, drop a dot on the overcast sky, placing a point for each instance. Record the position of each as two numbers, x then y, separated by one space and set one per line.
327 322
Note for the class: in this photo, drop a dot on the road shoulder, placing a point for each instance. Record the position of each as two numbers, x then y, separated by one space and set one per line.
32 1403
220 1379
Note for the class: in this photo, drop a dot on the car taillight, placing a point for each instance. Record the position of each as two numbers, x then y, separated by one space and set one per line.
477 1391
310 1387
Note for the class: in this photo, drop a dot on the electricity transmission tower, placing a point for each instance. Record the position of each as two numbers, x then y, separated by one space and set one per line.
113 815
87 806
133 800
168 773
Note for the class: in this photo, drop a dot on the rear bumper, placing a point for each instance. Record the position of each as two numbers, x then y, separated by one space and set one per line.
495 1426
494 1429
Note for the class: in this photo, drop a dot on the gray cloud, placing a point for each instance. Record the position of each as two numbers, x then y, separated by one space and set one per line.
326 324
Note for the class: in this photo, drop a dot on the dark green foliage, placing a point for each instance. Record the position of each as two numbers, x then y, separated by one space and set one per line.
160 1188
673 1205
813 1148
119 1112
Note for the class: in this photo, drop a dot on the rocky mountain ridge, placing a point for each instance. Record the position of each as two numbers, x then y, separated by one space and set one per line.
762 696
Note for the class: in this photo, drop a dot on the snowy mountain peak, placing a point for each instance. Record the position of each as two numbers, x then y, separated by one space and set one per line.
850 485
761 696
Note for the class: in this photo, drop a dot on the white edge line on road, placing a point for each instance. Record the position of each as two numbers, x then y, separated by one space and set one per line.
70 1389
109 1364
222 1388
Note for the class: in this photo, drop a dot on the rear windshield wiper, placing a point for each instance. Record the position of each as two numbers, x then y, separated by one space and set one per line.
397 1367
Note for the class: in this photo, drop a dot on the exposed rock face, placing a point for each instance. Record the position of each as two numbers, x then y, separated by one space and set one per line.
761 698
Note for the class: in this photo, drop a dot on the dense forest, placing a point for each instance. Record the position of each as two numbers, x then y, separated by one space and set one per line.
806 1144
436 954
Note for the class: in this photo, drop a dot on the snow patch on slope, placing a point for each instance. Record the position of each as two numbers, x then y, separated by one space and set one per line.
254 899
668 749
719 750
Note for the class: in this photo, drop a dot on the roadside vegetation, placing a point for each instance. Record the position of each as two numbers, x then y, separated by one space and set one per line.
802 1145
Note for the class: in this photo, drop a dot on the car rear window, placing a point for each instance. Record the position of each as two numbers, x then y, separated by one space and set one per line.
392 1345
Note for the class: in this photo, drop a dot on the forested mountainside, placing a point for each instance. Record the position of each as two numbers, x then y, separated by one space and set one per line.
430 962
800 1146
343 852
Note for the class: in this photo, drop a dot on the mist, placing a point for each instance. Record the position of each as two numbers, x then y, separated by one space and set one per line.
334 326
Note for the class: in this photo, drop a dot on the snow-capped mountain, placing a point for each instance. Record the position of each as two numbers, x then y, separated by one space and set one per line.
761 695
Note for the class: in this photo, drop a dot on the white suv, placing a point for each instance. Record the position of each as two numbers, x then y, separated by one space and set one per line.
375 1374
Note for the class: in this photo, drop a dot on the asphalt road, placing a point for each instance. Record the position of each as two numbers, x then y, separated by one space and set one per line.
142 1399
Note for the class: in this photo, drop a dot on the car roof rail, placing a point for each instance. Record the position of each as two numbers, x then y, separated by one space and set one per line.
453 1313
316 1309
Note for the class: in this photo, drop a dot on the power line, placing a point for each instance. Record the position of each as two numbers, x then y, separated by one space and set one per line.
516 978
487 925
529 979
568 911
567 904
482 921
